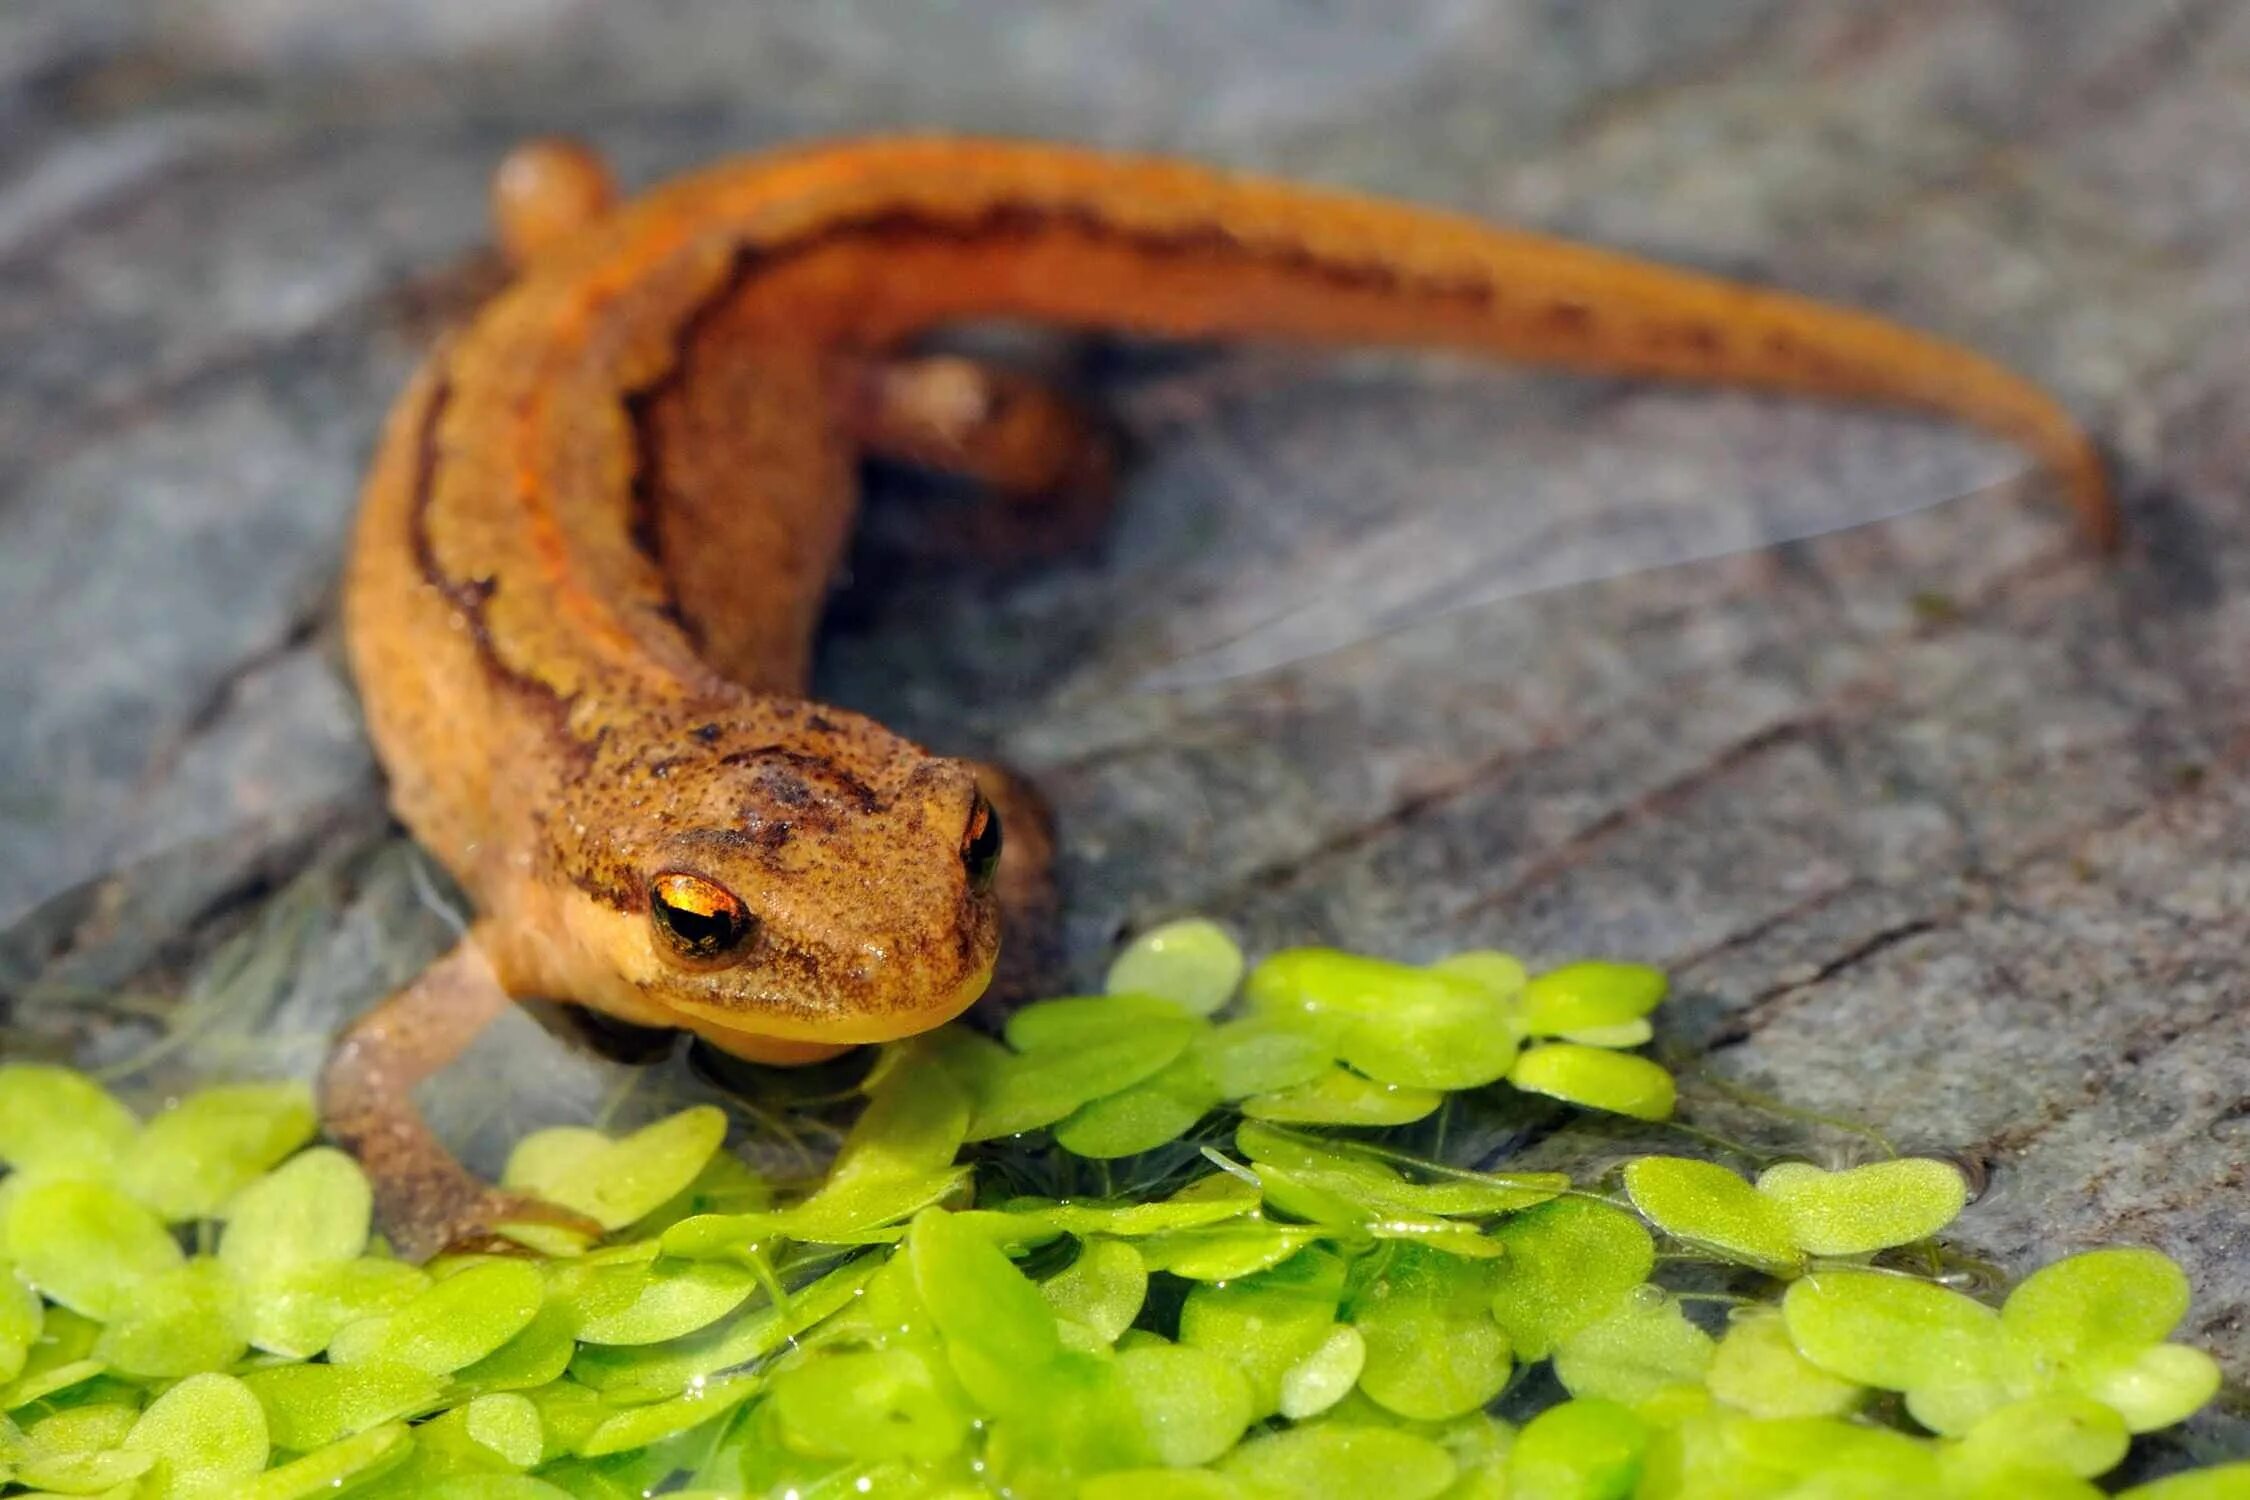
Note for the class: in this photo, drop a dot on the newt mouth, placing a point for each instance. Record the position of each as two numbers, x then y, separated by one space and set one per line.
781 1023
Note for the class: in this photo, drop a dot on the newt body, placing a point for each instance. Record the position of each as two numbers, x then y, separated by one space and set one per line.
602 520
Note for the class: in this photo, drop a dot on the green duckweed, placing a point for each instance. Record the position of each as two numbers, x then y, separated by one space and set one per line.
1193 963
1176 1239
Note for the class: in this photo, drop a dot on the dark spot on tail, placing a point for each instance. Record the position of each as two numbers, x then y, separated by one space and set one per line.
1568 317
1699 339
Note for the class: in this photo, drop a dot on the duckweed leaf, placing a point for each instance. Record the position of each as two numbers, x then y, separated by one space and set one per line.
1501 975
656 1372
331 1468
38 1382
86 1245
1394 1023
1891 1332
639 1426
507 1425
1580 996
537 1355
1257 1055
1335 1461
1338 1096
1642 1347
1381 1189
1865 1208
2058 1431
1326 1376
1332 1201
310 1406
2161 1385
21 1317
57 1360
83 1473
1448 1032
1596 1077
207 1435
897 1160
1173 1484
1584 1447
1073 1428
1325 982
1211 1200
1102 1289
313 1210
1443 1051
1158 1109
1433 1350
180 1322
905 1131
1623 1034
2101 1302
649 1303
461 1319
58 1122
869 1405
1193 963
298 1312
1076 1059
1756 1369
189 1160
1860 1459
77 1429
726 1185
495 1487
545 1158
619 1182
1225 1252
1267 1323
1092 1020
999 1332
1480 1445
1193 1405
569 1413
2220 1482
1706 1205
1564 1265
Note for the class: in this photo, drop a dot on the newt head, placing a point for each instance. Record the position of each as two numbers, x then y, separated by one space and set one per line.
786 881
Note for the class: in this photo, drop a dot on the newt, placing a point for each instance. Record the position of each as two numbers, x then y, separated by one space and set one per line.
601 521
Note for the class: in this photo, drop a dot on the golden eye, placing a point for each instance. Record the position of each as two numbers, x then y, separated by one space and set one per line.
980 844
700 919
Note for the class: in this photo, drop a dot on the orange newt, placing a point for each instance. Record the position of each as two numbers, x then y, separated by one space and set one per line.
602 519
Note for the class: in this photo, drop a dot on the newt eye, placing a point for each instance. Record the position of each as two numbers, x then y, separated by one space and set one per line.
701 919
980 844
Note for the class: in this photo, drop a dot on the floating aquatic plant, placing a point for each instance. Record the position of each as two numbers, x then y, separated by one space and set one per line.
1284 1304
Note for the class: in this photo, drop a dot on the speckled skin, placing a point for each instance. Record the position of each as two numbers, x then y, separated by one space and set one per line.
602 521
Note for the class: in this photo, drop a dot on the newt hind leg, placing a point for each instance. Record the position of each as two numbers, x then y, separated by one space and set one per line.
1049 463
545 191
426 1201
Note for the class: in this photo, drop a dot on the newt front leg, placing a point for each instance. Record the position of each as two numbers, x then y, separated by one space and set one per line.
425 1200
1049 465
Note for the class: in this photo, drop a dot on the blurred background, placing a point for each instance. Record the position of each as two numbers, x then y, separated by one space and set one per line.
1940 823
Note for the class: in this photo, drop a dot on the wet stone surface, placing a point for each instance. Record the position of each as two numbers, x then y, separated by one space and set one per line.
1941 825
